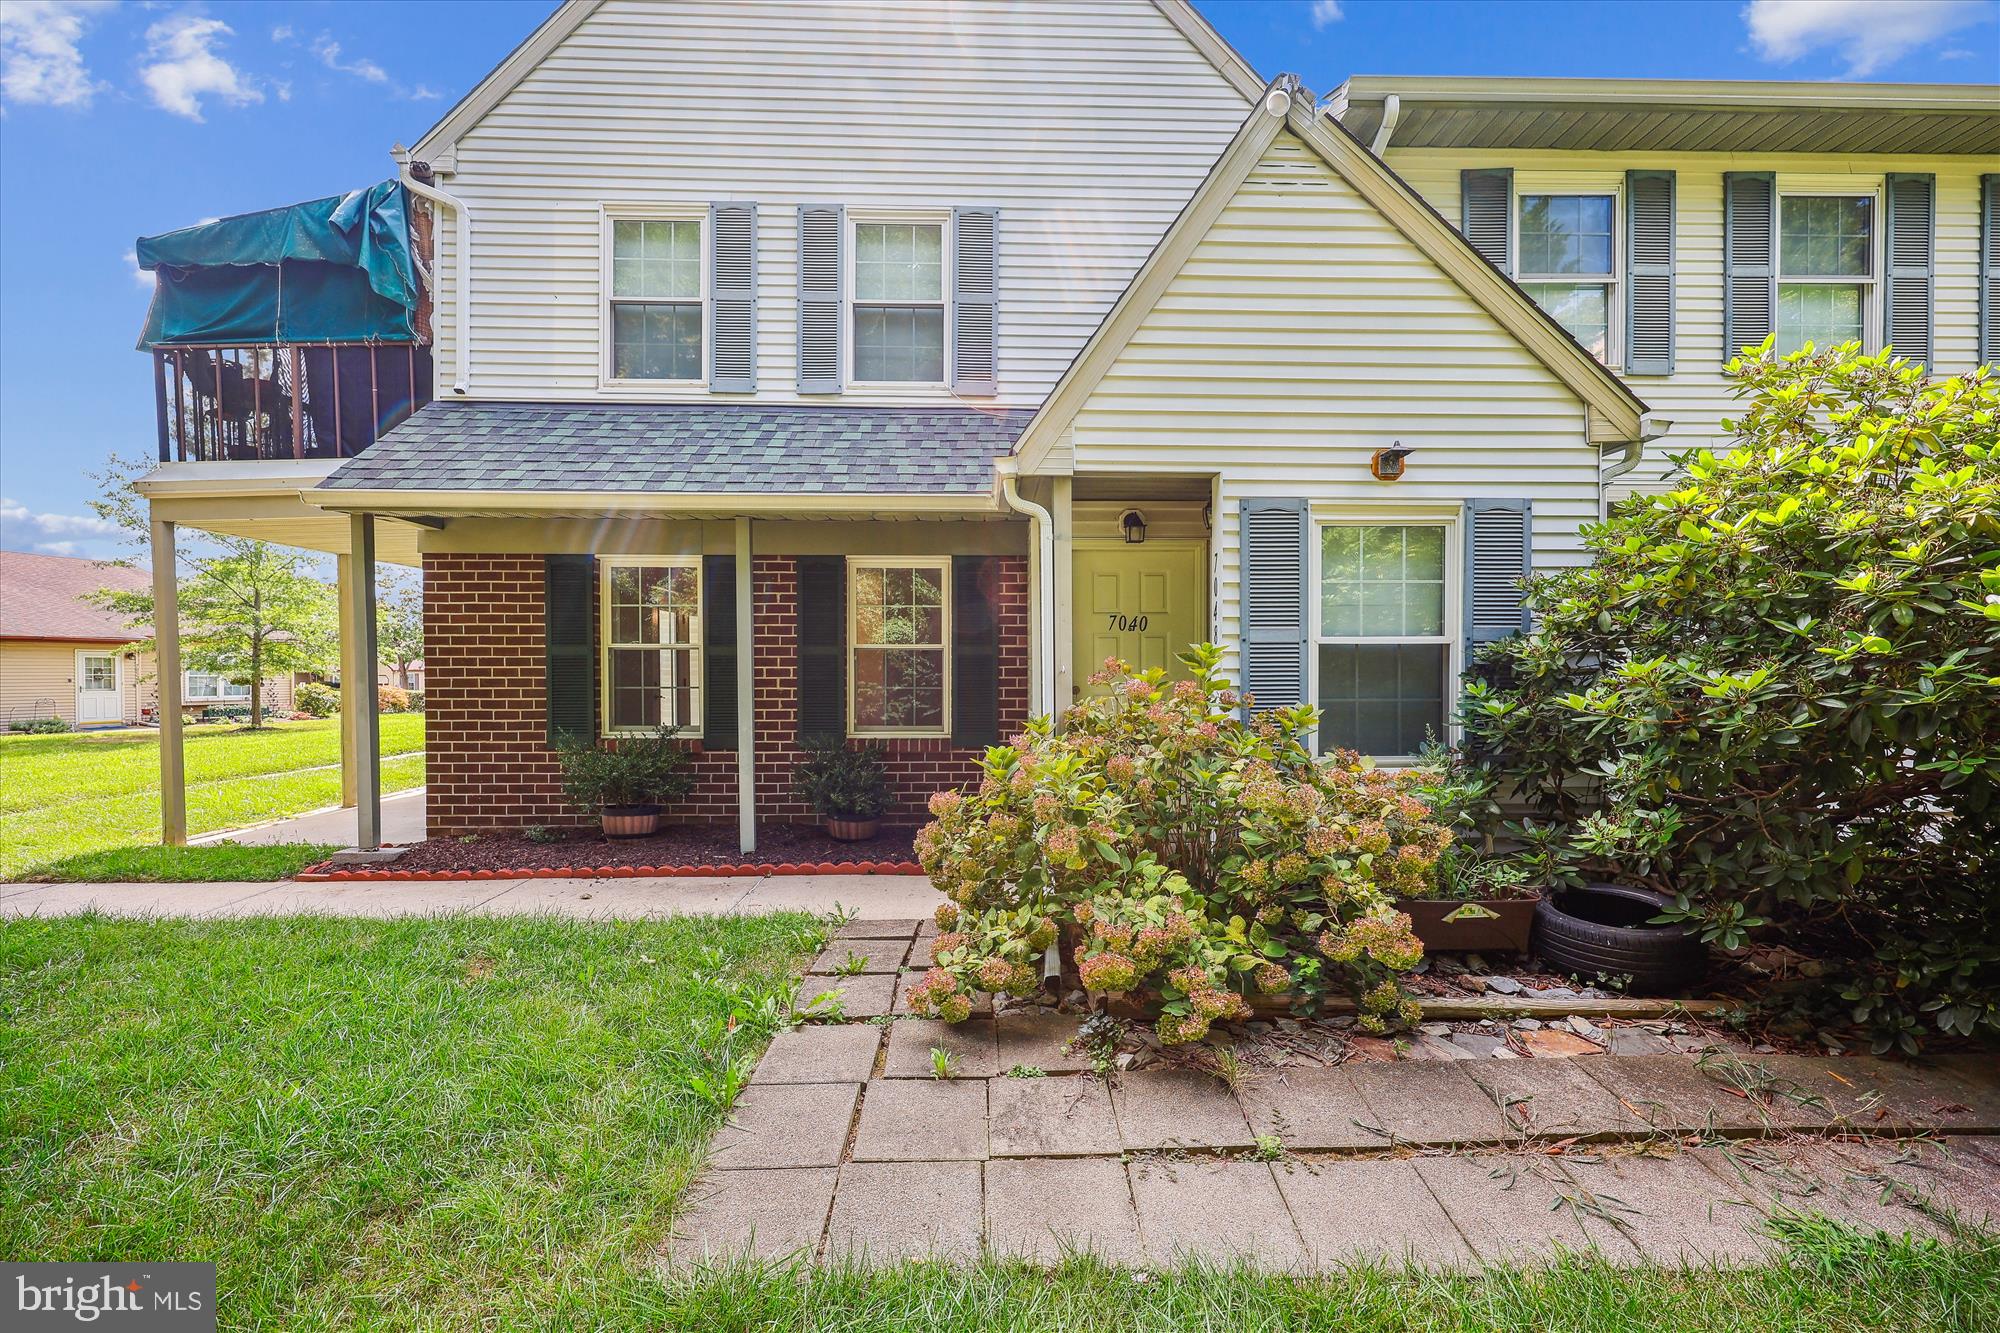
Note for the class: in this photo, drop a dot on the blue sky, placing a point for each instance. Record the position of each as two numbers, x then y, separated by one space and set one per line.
121 120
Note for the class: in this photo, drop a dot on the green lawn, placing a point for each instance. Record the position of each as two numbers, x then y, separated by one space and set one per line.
469 1123
66 796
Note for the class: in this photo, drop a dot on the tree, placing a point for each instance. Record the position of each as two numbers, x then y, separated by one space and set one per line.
249 610
399 622
1775 694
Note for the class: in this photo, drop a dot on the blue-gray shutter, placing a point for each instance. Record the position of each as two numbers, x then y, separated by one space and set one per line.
1649 272
1989 270
822 647
822 286
1275 587
1486 209
975 328
569 598
1498 555
718 652
975 653
732 299
1749 259
1911 218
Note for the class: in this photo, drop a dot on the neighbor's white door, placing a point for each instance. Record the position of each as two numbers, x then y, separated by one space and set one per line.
98 696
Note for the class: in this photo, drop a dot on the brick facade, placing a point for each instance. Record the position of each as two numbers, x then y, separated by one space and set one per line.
490 766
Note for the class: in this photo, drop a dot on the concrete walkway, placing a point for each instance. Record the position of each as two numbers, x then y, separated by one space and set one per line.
402 822
865 896
846 1145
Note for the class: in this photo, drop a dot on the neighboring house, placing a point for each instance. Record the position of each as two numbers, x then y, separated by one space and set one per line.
875 374
61 654
1667 224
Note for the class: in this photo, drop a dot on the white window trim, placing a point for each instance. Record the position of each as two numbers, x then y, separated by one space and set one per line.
947 278
1871 285
942 564
607 563
1454 576
608 214
189 696
1614 313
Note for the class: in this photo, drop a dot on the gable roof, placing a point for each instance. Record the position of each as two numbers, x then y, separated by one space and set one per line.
441 139
44 597
1613 409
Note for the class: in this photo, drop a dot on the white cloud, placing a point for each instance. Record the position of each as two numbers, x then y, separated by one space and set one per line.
1867 34
1325 12
361 67
183 66
282 33
40 62
25 529
423 93
139 275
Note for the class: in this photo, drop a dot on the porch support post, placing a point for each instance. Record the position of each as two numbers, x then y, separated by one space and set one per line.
167 665
1063 521
746 697
350 706
357 674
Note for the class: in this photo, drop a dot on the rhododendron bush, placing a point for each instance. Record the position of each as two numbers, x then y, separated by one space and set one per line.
1191 857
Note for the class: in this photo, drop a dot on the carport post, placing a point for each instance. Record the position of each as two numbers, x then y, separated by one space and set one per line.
746 698
350 708
357 674
167 667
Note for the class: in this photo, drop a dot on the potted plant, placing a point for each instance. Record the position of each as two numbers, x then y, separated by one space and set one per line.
845 786
1481 903
626 782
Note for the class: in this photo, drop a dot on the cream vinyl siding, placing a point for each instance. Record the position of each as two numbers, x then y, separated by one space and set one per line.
1696 397
1304 333
38 672
1088 123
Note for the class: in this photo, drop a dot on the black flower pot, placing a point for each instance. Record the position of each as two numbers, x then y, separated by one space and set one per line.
1603 928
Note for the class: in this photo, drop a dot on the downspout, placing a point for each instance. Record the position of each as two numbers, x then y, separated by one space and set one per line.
1041 581
1650 428
462 229
1392 111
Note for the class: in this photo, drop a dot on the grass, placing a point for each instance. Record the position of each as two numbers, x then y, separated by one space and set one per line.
64 796
477 1123
209 863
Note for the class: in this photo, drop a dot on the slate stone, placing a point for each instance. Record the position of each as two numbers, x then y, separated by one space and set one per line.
898 929
1177 1108
1674 1210
1476 1044
860 997
1558 1044
1067 1115
884 1212
1503 985
1043 1210
758 1214
970 1044
1311 1110
821 1053
1669 1093
922 1120
1636 1041
1040 1039
874 956
1554 1099
1509 1213
1440 1048
1369 1211
1428 1103
775 1124
1216 1210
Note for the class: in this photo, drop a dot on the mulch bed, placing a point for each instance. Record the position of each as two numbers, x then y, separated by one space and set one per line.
702 845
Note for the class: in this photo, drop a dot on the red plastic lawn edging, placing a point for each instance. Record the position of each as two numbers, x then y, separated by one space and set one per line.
318 875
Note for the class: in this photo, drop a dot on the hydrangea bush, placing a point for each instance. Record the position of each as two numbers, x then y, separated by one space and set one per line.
1191 857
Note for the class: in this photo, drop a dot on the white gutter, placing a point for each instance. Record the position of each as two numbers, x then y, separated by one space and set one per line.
462 216
1041 581
1651 427
1392 111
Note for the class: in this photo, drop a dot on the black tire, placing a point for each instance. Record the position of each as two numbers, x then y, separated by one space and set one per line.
1599 929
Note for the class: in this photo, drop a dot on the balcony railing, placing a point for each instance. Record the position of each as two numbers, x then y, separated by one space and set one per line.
320 400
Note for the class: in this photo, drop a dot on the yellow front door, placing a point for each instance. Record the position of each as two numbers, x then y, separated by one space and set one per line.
1143 604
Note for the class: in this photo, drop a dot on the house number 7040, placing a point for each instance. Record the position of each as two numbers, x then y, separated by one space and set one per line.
1124 624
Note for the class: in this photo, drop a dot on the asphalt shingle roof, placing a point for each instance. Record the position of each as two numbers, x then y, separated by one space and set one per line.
48 597
689 448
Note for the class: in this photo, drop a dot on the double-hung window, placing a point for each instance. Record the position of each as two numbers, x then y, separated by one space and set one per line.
203 686
657 299
650 623
900 282
1384 656
1826 276
899 659
1567 262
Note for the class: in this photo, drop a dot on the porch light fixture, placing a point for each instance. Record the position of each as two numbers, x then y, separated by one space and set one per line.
1387 464
1133 524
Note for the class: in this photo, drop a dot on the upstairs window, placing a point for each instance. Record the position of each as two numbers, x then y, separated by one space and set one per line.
1825 269
1567 257
656 299
899 300
899 659
651 623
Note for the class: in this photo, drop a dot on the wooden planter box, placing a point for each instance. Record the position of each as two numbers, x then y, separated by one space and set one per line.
1478 925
